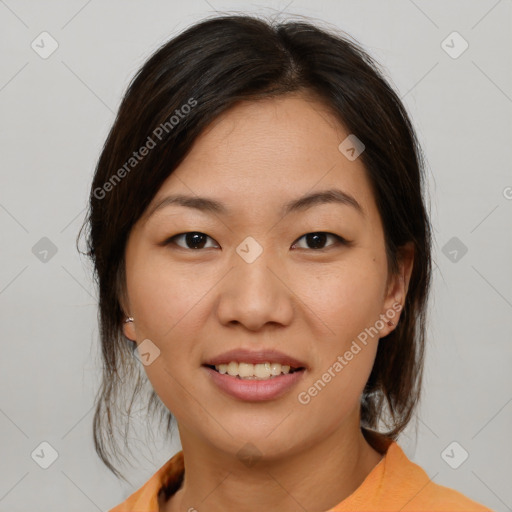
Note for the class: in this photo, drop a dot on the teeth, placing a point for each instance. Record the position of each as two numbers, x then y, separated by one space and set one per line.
253 371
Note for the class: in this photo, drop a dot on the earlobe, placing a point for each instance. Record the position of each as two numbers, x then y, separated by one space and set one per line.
129 329
128 321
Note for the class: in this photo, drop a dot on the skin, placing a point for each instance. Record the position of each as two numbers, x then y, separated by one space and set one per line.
308 302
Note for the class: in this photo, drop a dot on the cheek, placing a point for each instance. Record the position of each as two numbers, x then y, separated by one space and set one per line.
346 298
347 302
167 305
164 299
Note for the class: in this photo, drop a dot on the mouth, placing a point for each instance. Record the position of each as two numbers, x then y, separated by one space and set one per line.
254 382
259 371
255 376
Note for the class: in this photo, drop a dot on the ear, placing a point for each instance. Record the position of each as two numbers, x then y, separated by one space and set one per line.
129 330
397 288
128 327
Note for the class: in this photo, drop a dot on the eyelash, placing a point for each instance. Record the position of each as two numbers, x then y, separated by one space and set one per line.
340 240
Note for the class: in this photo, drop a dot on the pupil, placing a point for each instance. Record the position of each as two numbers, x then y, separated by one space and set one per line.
317 240
194 239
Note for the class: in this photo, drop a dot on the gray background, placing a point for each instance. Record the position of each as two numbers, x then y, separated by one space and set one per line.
55 115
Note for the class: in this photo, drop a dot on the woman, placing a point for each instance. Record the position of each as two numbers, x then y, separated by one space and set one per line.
259 235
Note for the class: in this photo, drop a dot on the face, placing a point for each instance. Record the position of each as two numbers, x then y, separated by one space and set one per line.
252 275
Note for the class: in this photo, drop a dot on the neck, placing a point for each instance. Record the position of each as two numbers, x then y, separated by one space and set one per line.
317 477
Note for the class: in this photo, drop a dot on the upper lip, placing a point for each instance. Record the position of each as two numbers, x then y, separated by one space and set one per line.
254 357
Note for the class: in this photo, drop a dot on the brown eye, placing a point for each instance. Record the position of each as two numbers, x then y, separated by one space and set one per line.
318 239
192 240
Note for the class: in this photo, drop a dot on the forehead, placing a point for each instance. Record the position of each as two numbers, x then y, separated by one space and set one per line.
274 133
268 152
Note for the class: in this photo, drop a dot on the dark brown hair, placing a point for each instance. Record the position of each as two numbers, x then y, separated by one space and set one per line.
210 67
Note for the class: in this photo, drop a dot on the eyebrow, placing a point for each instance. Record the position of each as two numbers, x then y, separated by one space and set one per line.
303 203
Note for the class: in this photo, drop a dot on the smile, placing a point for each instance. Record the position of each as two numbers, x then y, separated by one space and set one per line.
259 371
252 387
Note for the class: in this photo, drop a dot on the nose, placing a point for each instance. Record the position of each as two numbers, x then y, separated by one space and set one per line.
254 294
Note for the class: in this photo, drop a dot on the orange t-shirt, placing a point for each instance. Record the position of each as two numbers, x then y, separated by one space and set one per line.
394 484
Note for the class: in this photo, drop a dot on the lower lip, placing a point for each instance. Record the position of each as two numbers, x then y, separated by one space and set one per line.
252 389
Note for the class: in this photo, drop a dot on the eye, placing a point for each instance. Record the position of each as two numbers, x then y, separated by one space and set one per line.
197 240
193 240
318 238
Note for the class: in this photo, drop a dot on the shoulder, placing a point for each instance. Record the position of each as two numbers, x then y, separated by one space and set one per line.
437 497
418 491
167 479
